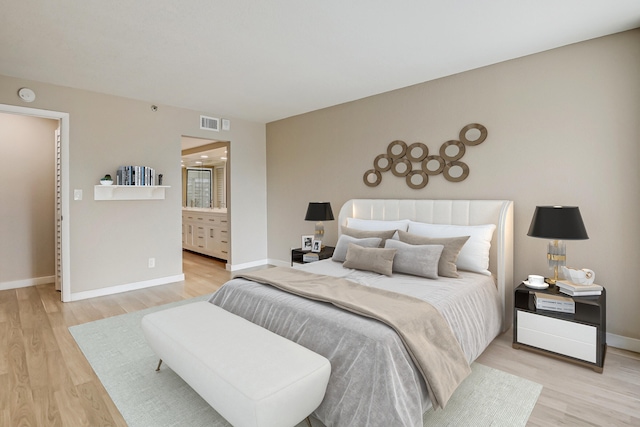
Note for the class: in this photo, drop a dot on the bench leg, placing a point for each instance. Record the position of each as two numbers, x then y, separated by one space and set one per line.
308 422
159 363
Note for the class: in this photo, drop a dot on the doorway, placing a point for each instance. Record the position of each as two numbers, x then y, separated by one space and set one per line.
62 218
206 189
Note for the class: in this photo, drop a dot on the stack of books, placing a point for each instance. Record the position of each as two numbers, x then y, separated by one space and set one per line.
577 290
135 175
554 303
310 257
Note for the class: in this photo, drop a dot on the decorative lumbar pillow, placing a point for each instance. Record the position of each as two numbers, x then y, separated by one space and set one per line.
417 260
474 255
363 234
378 260
340 252
452 246
377 225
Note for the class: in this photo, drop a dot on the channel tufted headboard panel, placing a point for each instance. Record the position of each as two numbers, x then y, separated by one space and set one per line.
459 212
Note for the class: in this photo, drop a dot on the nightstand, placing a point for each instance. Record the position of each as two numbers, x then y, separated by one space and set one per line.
577 338
298 254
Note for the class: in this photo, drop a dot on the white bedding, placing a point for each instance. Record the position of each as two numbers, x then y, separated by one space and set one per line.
469 303
373 380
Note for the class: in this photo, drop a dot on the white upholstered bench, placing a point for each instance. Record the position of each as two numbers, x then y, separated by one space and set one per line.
251 376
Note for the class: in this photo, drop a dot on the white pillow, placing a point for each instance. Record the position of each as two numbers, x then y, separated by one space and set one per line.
417 260
474 255
377 225
340 252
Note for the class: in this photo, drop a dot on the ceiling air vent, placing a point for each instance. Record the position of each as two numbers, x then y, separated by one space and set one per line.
209 123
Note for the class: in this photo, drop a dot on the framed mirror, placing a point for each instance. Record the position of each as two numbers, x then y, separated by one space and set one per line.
199 187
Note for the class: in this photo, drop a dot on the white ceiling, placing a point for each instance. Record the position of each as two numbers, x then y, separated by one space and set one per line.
271 59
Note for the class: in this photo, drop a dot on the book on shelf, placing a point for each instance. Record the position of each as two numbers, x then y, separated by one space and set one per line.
576 289
552 302
135 175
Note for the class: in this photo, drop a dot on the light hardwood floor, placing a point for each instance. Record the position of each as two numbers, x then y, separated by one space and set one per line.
46 381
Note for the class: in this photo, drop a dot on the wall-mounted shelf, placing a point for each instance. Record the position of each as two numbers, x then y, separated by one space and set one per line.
129 192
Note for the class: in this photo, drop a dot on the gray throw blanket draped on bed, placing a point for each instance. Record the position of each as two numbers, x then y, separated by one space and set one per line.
424 332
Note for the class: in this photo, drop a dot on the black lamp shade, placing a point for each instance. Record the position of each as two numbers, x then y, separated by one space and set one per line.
319 211
557 223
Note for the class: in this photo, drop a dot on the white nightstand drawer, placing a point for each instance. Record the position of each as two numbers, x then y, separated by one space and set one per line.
560 336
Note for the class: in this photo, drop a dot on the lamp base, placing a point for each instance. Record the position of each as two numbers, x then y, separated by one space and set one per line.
319 232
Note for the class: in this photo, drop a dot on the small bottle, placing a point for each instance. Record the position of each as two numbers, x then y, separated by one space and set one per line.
159 179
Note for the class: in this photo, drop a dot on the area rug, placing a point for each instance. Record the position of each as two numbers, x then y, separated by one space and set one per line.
118 353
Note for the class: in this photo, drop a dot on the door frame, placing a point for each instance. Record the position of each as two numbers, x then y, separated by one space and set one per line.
65 288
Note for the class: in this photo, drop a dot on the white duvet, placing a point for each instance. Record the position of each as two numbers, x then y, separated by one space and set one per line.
373 380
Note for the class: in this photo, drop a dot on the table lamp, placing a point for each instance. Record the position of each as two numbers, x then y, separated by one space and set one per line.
319 211
557 223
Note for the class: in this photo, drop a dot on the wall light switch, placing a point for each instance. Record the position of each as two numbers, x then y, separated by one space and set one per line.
77 194
226 124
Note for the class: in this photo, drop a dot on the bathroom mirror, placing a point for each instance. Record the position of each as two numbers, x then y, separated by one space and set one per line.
199 187
211 162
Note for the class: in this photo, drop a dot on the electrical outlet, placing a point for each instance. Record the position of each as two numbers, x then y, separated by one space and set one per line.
152 262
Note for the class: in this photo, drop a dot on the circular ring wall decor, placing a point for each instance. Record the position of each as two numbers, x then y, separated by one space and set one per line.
393 145
463 175
402 161
370 172
376 163
420 146
457 156
422 184
479 140
425 165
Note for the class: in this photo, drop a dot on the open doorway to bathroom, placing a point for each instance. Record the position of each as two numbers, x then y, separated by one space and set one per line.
206 194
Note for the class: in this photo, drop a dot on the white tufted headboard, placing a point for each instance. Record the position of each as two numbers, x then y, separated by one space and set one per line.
458 212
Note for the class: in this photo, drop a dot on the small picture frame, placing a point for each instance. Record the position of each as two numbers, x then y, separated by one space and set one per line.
317 246
307 242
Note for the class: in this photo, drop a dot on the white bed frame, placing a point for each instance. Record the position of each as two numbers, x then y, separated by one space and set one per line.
458 212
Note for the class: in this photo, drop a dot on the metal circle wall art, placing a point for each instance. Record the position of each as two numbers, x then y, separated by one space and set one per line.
376 174
399 159
420 148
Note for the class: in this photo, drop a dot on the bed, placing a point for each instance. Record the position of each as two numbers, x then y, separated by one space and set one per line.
374 379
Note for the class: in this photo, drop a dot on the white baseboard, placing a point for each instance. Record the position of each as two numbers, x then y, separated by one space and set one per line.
279 263
624 343
77 296
236 267
27 282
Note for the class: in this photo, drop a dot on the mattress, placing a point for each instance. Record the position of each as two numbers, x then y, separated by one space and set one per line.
373 379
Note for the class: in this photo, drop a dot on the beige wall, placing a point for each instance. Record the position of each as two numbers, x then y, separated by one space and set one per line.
111 241
27 193
563 129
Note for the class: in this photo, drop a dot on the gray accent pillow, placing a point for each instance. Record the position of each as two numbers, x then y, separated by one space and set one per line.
378 260
417 260
363 234
452 247
340 252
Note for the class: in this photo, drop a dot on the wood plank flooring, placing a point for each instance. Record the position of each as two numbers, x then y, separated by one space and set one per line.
46 381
